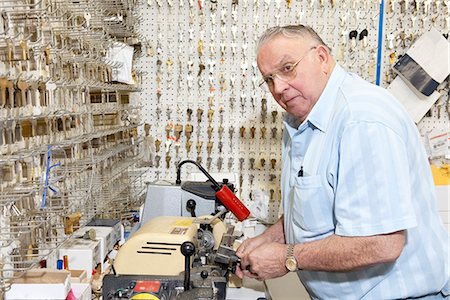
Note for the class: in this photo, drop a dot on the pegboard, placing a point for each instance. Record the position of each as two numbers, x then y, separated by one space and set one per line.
405 22
201 55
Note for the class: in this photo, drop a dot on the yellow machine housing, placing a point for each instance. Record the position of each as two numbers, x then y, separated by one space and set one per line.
155 248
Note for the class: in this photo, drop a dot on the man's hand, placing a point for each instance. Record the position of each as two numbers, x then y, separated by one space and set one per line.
261 259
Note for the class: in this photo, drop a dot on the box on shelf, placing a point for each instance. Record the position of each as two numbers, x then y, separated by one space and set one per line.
40 284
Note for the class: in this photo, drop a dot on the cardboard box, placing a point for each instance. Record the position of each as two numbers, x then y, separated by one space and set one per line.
40 284
78 276
82 254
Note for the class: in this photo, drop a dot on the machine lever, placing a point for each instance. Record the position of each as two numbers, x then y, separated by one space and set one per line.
223 193
190 207
187 249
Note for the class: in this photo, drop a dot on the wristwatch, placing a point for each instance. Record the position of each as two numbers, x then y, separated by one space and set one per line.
291 262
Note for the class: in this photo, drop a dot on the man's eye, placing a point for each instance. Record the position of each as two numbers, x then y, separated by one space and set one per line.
287 68
268 80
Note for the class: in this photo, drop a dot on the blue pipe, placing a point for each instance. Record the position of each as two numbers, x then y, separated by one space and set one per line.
380 43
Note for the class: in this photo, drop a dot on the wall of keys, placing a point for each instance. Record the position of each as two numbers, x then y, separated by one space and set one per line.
201 88
68 129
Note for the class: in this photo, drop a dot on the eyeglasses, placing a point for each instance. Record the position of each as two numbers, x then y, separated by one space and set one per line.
286 73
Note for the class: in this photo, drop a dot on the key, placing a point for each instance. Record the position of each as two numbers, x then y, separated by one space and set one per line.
272 193
189 114
157 145
178 130
262 161
199 160
220 147
219 163
3 87
167 145
22 86
230 163
251 177
188 129
252 162
168 158
231 132
158 113
273 163
209 131
252 132
263 132
241 180
199 115
220 130
25 51
177 148
199 147
241 163
242 131
168 129
157 160
209 147
274 115
210 115
208 163
188 146
221 112
274 132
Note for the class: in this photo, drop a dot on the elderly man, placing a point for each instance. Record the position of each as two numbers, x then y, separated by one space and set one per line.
360 218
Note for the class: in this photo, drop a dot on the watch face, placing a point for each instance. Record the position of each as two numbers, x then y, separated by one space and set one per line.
291 264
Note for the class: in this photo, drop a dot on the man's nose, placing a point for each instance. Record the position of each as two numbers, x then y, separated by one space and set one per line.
279 85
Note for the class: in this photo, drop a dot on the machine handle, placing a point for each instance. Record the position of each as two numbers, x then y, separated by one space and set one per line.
232 203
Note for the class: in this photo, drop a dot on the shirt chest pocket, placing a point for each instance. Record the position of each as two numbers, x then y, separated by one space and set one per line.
312 210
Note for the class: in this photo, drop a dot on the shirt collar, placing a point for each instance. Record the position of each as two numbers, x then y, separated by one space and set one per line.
320 114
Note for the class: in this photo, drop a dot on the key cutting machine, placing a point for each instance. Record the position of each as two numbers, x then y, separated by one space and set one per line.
178 257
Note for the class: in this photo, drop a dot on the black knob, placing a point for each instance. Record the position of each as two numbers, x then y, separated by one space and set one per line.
190 207
204 274
187 249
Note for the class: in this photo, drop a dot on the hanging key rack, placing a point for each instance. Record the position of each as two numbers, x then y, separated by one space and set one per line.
69 149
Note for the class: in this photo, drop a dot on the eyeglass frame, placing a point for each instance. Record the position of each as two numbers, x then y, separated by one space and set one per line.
275 74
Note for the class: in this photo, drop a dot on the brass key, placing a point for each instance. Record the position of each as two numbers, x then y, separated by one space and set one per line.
262 161
157 145
273 162
199 115
189 114
252 132
188 146
242 131
220 130
274 115
169 127
168 161
210 115
209 131
199 147
209 147
188 128
178 130
263 132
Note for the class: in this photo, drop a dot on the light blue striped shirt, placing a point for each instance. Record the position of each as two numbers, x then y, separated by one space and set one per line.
365 172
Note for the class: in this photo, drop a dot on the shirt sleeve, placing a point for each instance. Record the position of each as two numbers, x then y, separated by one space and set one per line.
373 194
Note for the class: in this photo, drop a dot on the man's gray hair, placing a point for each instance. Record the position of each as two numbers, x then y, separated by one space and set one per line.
291 31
